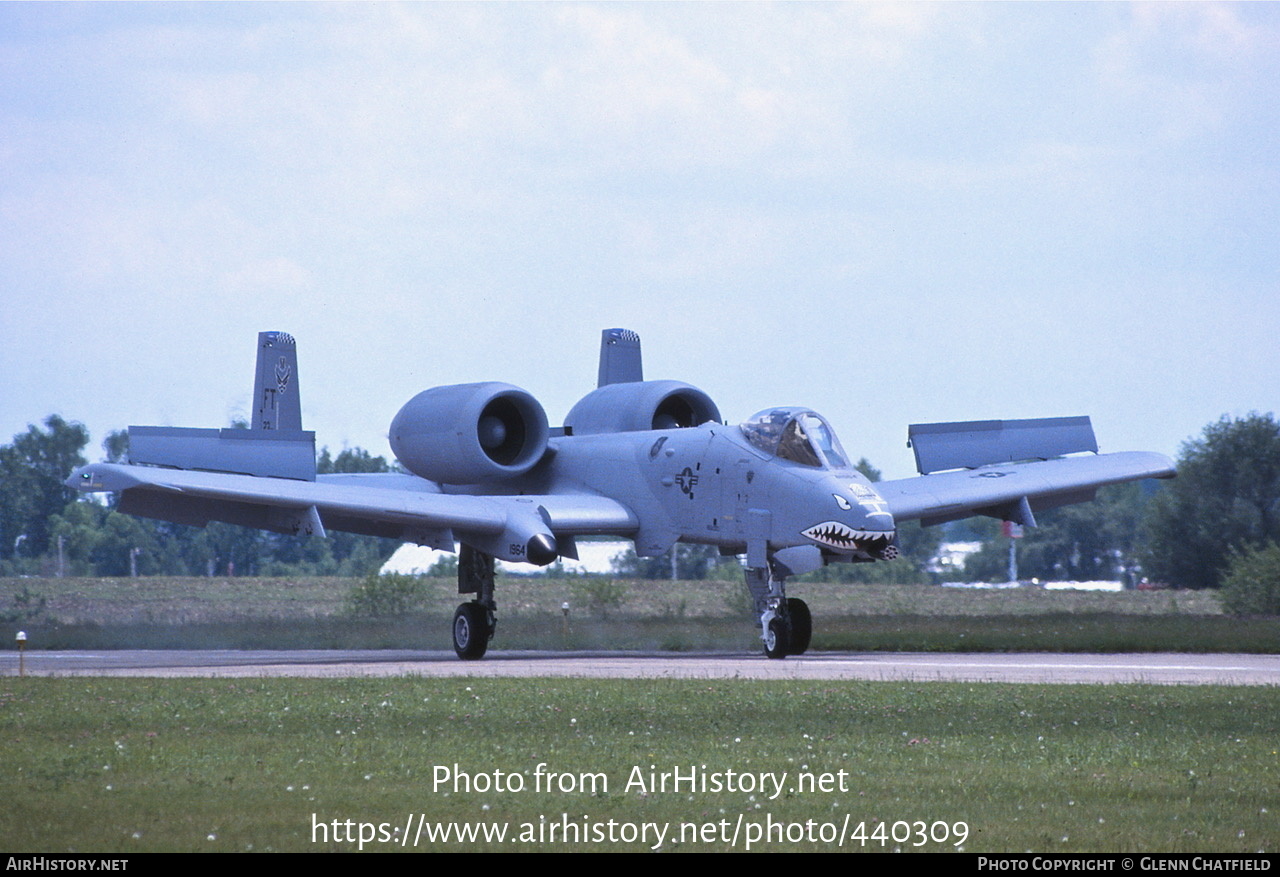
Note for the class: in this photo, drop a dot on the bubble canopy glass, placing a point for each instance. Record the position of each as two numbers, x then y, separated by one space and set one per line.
798 435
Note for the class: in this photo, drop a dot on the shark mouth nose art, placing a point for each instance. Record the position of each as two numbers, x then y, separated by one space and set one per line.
836 535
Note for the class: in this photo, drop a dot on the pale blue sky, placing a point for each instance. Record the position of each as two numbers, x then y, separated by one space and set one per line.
892 213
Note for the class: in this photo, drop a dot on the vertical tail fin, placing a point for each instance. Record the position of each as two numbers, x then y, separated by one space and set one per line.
619 357
275 385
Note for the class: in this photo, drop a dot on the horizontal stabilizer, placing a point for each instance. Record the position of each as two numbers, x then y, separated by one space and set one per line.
974 443
273 453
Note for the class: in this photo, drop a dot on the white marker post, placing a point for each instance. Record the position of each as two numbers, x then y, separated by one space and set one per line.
22 653
1012 531
564 607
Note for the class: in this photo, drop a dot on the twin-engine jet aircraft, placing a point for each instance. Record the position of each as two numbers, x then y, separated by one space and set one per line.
648 460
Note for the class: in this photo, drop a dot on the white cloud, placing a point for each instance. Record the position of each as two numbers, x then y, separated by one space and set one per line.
1178 68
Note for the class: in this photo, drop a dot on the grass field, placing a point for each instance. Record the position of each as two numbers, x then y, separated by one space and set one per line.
129 765
606 614
163 599
124 765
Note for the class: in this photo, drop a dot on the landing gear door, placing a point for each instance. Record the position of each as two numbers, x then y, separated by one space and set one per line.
758 524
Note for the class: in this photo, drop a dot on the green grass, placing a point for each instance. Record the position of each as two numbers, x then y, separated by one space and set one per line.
169 600
1097 632
164 613
131 765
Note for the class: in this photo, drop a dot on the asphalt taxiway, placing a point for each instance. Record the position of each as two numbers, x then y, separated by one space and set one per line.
1155 668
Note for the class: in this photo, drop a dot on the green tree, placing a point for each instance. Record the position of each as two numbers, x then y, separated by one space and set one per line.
352 554
225 549
32 471
100 541
1090 541
902 571
1225 501
871 472
350 460
115 446
693 563
1252 583
380 596
129 543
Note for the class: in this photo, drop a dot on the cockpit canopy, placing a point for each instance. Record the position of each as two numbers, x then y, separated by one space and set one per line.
798 435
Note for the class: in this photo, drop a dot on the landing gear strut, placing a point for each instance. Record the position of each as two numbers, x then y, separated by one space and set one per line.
474 622
786 626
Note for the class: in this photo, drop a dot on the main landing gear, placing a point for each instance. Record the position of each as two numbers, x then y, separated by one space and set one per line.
786 626
474 622
785 623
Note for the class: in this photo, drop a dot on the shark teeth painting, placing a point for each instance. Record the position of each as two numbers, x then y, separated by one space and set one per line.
834 534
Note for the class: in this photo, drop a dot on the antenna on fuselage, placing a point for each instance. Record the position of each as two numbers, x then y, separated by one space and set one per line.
619 357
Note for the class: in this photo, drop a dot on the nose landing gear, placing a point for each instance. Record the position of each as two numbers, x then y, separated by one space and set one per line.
786 624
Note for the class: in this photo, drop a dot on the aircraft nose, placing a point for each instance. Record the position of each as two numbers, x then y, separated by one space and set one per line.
881 531
863 524
879 519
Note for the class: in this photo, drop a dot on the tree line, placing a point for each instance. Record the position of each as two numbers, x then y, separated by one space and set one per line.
47 528
1221 514
1191 532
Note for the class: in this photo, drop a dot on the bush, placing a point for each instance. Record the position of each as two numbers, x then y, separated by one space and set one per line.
599 596
27 607
1252 584
392 594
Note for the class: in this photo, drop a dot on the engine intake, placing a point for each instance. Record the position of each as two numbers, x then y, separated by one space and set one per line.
467 433
639 406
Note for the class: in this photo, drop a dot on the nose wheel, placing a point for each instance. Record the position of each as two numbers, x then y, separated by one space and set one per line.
801 625
786 625
777 638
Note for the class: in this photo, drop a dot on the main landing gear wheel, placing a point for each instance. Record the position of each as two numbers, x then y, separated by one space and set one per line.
801 625
472 631
474 622
777 638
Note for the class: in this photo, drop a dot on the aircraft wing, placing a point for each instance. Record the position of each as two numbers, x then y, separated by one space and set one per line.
399 506
1014 491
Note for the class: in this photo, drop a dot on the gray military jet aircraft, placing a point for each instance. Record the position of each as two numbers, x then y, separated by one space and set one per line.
648 460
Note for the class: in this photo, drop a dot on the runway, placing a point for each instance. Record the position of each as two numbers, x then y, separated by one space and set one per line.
1157 668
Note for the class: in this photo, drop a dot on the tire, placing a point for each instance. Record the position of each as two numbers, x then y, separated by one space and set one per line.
777 639
471 631
801 625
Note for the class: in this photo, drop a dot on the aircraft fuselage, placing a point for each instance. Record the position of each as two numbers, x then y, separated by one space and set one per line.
709 485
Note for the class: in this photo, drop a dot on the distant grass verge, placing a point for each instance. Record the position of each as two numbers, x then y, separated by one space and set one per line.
1058 632
414 613
1101 632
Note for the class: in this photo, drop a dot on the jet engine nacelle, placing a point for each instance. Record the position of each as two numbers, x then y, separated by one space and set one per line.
639 406
467 433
